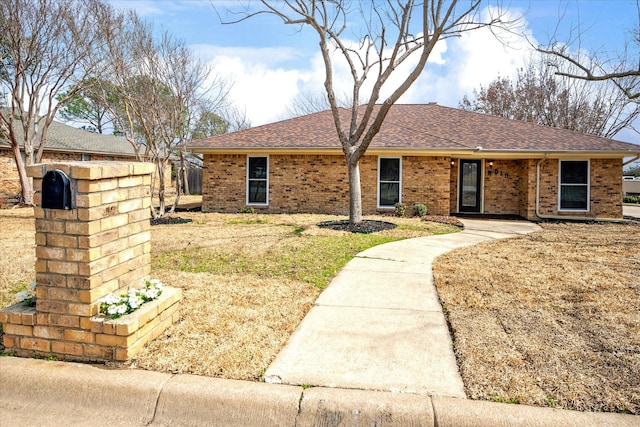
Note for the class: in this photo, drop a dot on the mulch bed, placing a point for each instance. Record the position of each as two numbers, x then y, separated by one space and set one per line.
365 226
374 226
168 220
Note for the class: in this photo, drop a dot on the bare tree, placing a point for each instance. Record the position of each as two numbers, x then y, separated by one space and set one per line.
389 39
46 46
539 95
621 67
154 89
308 102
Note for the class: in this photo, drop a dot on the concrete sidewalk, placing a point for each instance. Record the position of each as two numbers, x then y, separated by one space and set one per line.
52 394
385 294
379 324
632 211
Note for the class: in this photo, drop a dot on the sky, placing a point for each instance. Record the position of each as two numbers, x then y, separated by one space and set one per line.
269 63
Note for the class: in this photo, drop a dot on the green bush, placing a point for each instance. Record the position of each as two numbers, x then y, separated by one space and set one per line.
631 199
247 210
419 210
400 209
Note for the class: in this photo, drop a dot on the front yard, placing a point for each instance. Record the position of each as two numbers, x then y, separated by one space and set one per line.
248 281
548 319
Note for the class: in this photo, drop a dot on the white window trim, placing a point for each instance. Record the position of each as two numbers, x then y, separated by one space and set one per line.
588 185
247 183
399 182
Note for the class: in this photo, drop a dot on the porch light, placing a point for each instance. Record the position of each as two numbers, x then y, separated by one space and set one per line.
490 164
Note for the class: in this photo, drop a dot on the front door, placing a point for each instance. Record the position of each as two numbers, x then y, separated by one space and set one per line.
470 180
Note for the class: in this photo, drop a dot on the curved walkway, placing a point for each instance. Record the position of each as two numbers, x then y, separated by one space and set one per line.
379 324
375 323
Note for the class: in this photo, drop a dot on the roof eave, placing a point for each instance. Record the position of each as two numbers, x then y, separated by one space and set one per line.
457 152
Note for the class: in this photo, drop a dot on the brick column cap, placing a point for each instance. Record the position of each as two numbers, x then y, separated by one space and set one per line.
93 170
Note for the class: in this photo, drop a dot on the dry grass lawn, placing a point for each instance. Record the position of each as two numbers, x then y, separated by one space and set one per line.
549 319
248 280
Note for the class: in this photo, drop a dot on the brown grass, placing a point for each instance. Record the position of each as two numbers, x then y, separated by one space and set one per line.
17 246
549 319
248 280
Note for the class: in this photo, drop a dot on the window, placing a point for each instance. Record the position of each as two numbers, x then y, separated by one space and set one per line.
85 157
257 180
389 172
574 185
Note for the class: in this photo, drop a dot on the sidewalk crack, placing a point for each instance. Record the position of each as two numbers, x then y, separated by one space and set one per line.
157 404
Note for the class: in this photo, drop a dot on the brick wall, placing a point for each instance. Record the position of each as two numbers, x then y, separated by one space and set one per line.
426 180
9 181
101 245
319 184
316 184
502 188
605 190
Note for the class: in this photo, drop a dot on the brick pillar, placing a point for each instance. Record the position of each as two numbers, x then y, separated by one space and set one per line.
101 245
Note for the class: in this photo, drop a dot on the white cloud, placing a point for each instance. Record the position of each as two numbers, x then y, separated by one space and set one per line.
476 58
266 80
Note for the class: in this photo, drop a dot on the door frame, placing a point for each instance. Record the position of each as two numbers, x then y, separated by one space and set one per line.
479 189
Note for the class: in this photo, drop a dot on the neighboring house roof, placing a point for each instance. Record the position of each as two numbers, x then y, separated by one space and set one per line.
419 128
65 138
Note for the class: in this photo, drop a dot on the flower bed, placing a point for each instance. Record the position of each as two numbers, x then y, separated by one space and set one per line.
116 306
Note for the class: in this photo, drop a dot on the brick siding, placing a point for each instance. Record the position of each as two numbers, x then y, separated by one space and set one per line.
319 184
9 180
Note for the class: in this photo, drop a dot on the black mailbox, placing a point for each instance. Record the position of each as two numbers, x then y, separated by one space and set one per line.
56 190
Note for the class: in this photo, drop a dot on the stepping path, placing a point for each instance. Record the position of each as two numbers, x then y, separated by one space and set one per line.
379 324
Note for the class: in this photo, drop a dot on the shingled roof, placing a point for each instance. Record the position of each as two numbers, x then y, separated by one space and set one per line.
65 138
415 128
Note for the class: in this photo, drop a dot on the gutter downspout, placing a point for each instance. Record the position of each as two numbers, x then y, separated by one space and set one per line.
562 217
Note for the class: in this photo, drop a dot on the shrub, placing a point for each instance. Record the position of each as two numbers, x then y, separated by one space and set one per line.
247 210
400 209
631 199
419 210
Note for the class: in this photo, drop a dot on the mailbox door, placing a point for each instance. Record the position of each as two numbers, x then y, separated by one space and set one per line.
56 190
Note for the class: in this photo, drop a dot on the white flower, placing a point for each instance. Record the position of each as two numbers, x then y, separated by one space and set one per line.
110 299
23 295
116 306
134 301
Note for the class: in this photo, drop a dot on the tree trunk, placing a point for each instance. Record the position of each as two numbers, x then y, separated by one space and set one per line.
355 192
161 189
185 174
25 182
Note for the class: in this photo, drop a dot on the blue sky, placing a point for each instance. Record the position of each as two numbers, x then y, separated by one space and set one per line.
270 63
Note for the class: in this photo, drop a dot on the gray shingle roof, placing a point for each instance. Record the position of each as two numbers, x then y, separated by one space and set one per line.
65 138
419 127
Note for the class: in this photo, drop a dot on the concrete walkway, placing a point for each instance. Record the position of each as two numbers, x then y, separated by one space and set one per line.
391 302
632 211
379 324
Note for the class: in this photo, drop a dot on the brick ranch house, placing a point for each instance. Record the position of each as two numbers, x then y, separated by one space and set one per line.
64 143
452 161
